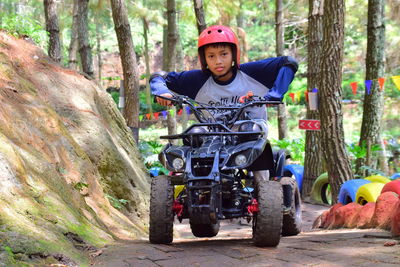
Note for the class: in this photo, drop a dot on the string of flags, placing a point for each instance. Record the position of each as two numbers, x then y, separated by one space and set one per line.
163 114
294 96
354 86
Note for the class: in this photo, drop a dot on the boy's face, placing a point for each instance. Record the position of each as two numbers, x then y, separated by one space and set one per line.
219 61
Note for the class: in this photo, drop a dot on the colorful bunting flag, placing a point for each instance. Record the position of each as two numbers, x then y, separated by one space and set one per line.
180 112
148 116
315 90
354 86
396 80
140 117
298 96
381 83
292 96
171 112
156 114
368 84
164 113
188 110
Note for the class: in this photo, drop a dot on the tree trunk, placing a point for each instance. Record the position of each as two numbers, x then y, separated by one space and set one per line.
85 50
50 11
313 151
279 41
172 38
373 100
332 134
98 48
73 45
147 61
279 28
200 19
129 65
165 48
172 34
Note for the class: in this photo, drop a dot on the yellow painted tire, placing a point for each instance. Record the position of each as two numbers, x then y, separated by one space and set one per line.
378 179
320 191
178 190
368 193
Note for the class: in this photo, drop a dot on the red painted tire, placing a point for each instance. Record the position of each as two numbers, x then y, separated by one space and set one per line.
393 186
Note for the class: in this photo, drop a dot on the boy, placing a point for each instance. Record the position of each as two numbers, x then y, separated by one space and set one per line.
222 80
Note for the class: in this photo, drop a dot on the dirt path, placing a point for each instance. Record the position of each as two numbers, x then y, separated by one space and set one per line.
233 247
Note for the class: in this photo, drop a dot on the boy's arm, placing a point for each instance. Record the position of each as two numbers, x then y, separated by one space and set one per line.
281 84
186 83
157 83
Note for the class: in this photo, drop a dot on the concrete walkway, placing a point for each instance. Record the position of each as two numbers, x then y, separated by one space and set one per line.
233 247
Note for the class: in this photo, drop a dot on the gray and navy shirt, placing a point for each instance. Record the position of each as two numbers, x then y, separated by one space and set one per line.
268 79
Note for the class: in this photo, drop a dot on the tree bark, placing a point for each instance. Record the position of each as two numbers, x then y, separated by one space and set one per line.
200 18
373 100
313 151
52 27
85 50
129 65
172 38
73 45
332 134
147 61
280 41
98 48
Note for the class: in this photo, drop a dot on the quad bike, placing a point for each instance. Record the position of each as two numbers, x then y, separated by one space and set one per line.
224 169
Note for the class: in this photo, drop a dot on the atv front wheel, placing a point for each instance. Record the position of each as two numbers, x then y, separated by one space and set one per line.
267 223
161 214
204 229
292 220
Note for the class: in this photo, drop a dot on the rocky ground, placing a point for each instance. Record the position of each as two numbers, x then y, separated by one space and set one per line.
233 247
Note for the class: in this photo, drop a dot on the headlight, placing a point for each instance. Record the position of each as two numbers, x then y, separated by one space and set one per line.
178 163
240 160
249 126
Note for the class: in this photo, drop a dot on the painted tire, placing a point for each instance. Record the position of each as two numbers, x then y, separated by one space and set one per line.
348 190
393 186
368 193
320 191
395 176
178 189
378 179
296 171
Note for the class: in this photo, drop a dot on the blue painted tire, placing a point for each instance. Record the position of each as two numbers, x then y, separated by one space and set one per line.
348 190
295 170
395 176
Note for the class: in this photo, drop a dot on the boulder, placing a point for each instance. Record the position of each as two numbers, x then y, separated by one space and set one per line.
350 212
330 217
395 221
383 210
320 221
364 217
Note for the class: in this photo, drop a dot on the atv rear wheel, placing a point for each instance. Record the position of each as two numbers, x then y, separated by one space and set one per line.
292 221
267 222
204 229
161 214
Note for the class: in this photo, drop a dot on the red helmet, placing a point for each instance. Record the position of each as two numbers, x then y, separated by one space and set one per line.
218 34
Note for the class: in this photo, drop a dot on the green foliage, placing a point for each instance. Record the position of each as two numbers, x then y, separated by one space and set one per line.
115 202
293 147
80 186
19 26
149 151
360 151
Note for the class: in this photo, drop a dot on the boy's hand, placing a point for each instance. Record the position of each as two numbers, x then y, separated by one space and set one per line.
164 102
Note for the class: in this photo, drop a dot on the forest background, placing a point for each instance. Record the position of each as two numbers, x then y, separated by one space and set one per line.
254 21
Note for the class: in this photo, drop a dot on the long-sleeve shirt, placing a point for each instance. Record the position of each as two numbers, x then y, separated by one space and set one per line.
268 79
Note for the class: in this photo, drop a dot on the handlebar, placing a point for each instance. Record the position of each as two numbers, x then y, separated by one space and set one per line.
180 99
